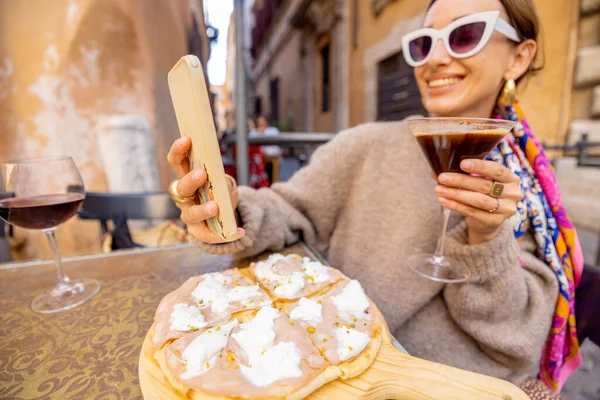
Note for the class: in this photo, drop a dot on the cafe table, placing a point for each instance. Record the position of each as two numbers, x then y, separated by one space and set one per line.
92 351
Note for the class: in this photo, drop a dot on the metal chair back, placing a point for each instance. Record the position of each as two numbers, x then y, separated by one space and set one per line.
103 207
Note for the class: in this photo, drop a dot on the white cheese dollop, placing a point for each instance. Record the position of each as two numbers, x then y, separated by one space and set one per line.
308 310
213 292
186 318
201 354
290 286
278 362
315 270
287 286
267 363
275 257
257 335
243 293
264 270
352 300
350 342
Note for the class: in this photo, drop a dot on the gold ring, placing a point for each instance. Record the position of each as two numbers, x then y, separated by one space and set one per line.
175 196
496 190
497 206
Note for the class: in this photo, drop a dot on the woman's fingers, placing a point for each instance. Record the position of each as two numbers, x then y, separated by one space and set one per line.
477 200
194 214
512 190
490 169
469 195
189 183
202 233
177 156
486 220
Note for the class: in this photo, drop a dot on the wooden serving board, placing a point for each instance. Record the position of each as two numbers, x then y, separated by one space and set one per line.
393 375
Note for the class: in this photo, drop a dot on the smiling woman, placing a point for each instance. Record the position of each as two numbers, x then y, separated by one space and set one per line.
465 77
366 197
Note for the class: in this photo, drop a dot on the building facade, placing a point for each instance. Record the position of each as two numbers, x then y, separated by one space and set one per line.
331 64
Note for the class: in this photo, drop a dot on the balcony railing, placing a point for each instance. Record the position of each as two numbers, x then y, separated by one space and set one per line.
581 151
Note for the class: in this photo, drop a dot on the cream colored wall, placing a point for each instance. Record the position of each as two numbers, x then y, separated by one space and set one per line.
589 35
371 31
63 63
287 66
544 99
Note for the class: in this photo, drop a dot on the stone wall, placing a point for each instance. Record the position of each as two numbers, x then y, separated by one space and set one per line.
67 67
581 185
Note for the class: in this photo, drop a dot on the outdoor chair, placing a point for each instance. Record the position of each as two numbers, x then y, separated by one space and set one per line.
119 208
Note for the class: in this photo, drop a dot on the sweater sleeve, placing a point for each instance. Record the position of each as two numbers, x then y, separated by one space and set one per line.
307 206
508 305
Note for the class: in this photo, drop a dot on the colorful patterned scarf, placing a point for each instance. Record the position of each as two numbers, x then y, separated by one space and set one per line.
541 210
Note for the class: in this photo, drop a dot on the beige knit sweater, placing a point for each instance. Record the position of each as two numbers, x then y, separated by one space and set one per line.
367 197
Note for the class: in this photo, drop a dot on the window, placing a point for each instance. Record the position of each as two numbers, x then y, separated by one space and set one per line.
258 106
274 91
397 92
325 79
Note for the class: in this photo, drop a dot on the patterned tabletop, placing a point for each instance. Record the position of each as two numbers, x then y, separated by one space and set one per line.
91 351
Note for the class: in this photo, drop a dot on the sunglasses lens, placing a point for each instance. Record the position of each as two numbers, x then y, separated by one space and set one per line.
466 37
419 48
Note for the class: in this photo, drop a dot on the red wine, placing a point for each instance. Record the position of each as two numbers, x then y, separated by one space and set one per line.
40 212
445 151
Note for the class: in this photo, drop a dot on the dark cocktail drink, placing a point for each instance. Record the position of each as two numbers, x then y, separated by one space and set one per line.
445 151
445 143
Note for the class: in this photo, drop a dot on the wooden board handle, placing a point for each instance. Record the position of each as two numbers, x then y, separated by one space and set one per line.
396 375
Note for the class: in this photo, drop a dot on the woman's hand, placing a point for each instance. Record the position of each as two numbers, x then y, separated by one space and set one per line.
469 195
192 214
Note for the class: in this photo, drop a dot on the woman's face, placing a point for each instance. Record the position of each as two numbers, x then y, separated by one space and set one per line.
466 87
261 124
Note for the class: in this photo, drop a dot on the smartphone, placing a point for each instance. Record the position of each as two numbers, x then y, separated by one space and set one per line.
195 120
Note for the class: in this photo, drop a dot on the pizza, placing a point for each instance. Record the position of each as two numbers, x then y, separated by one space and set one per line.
279 329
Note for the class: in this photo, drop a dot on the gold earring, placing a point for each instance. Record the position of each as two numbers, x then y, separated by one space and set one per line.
508 94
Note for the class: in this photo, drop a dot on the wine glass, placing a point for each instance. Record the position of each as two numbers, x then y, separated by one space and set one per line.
42 194
446 142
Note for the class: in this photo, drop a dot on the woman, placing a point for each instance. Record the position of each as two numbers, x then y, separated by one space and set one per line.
272 151
372 218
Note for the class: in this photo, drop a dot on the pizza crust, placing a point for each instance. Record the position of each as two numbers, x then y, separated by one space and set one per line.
345 370
359 364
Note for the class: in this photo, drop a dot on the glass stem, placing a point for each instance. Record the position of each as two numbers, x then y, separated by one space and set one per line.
439 250
62 279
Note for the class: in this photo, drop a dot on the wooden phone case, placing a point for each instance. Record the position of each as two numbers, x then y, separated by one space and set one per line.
195 119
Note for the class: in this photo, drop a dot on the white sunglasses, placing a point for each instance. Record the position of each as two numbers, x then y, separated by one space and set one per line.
462 38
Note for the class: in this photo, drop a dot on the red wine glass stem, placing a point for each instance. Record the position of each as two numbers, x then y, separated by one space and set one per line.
50 234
